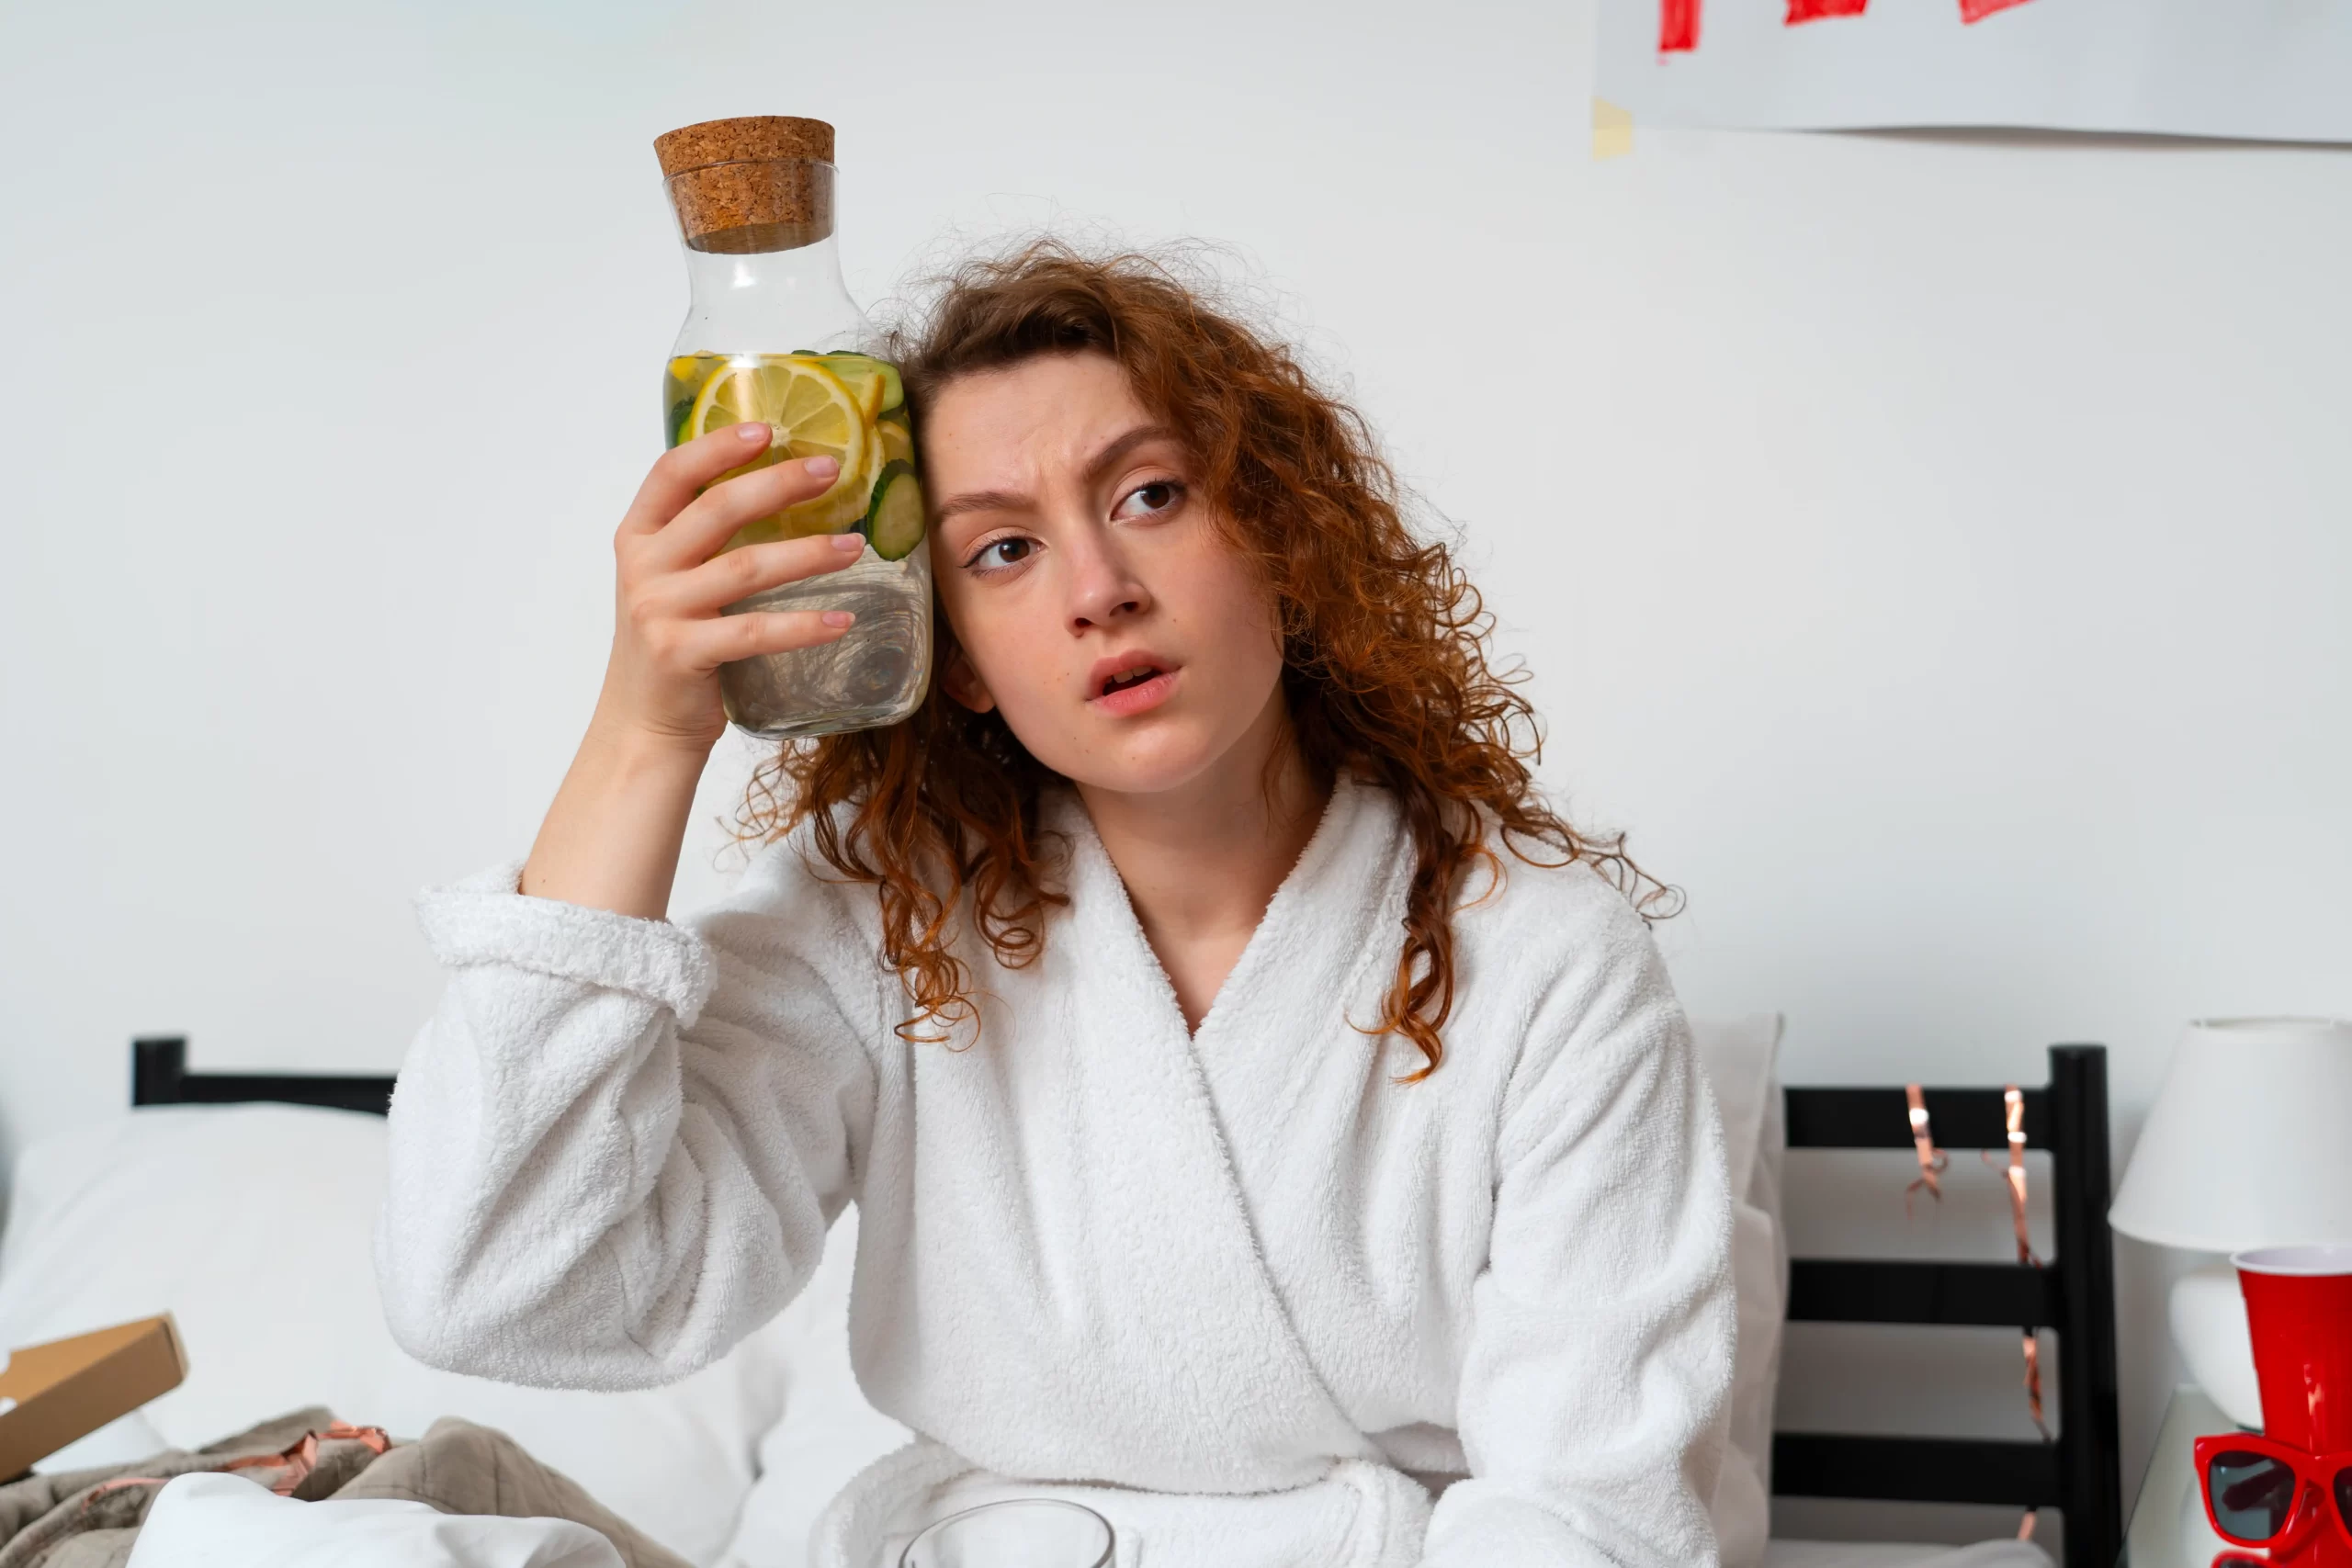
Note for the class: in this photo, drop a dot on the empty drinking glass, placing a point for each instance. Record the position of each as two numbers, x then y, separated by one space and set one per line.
1023 1532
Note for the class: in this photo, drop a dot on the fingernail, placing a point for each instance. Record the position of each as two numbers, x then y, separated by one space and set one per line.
849 541
838 617
752 430
822 468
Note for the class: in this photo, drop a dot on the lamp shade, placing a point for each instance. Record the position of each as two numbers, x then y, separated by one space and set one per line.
2249 1143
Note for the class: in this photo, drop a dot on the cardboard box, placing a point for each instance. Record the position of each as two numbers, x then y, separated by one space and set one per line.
69 1388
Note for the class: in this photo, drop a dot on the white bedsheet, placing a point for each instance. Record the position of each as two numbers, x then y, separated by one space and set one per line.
1903 1555
213 1520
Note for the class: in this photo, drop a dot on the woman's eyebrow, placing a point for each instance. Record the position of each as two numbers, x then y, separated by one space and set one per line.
1113 453
981 501
1116 450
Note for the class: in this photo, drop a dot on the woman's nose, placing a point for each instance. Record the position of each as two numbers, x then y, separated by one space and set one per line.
1104 586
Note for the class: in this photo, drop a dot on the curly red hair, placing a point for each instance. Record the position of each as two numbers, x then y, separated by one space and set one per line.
1384 638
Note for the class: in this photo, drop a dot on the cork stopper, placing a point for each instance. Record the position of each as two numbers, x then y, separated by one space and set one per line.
759 183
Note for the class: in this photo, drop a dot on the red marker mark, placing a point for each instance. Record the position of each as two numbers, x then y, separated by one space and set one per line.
1677 25
1677 20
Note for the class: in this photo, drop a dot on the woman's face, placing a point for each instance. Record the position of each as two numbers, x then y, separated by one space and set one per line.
1126 643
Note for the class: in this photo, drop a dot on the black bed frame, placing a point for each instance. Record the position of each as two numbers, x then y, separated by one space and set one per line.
2073 1293
159 1075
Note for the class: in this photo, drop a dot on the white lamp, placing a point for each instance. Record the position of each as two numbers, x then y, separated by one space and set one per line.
2249 1143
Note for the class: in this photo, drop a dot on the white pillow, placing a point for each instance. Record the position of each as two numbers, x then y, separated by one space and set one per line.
250 1225
2004 1553
1739 1057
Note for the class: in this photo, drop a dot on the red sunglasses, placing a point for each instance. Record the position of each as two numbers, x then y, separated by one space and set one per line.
2261 1492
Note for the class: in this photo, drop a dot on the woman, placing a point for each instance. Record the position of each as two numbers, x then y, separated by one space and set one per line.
1266 1120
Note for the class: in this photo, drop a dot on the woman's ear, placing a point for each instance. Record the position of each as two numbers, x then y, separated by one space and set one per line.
964 684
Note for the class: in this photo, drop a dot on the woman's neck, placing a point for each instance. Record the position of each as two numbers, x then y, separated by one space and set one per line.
1201 862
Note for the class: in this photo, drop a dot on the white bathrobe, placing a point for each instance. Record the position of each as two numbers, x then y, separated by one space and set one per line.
1238 1291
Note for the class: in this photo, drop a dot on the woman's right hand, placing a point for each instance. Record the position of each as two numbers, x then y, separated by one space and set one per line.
611 839
668 637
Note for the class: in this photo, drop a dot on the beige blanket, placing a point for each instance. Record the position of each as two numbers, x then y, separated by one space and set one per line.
88 1518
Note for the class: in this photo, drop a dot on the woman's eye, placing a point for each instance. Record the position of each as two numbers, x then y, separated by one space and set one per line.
1148 499
1004 552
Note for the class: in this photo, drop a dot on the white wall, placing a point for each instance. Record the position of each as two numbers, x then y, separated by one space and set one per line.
1934 549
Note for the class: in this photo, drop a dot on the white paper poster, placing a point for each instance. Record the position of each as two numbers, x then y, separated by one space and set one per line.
2273 69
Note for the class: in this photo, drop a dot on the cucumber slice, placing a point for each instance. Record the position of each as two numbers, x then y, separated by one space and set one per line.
860 369
893 524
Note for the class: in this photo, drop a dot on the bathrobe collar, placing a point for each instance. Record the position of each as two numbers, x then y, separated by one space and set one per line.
1202 1098
1339 910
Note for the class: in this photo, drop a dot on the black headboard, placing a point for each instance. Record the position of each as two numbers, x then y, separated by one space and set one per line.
159 1075
2073 1293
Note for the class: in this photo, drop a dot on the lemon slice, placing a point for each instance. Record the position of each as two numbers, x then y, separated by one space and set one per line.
812 414
897 442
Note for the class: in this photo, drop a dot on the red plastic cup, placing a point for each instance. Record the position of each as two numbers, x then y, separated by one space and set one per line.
2299 1307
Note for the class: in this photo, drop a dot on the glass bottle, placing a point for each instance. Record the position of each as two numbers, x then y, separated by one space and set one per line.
773 334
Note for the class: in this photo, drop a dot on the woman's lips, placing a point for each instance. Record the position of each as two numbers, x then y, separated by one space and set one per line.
1141 697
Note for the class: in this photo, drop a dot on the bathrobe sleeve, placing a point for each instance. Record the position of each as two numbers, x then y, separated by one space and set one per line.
617 1144
1599 1358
